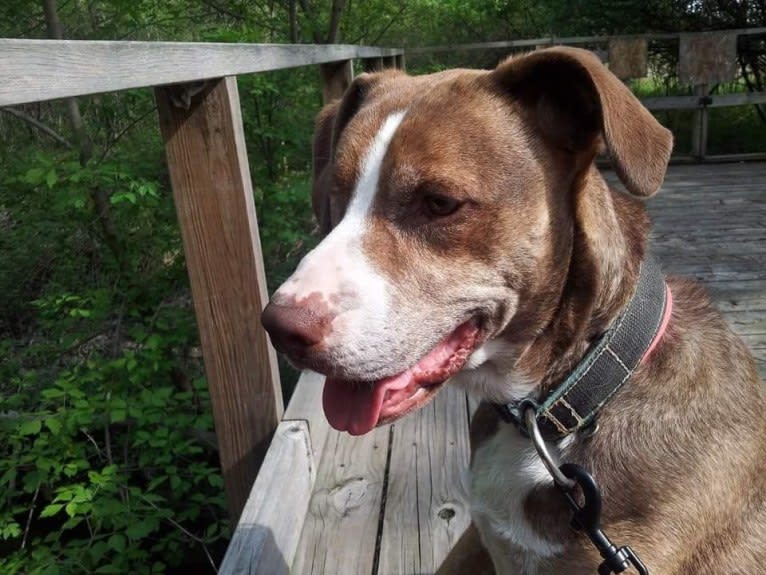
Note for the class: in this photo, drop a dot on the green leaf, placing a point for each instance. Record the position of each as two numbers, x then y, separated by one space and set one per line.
54 425
30 427
140 529
118 415
10 530
71 508
117 542
51 510
215 480
51 178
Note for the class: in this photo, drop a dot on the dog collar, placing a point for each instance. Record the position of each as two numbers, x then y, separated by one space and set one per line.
608 364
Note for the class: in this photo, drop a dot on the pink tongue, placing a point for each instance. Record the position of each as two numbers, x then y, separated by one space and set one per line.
355 406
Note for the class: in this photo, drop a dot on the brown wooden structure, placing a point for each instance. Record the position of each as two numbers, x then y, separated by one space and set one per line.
393 501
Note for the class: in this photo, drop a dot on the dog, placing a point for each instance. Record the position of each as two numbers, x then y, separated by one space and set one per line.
471 240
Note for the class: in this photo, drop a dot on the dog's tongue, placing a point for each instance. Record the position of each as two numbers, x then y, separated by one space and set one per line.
355 406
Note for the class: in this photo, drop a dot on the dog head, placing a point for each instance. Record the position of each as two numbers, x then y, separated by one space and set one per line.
454 206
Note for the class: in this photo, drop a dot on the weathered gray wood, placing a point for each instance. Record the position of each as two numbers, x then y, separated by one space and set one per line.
692 102
210 177
389 61
710 224
340 530
372 64
400 62
700 124
427 507
269 528
552 41
37 70
306 405
336 77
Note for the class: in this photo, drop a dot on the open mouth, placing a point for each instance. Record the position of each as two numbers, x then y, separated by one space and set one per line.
359 406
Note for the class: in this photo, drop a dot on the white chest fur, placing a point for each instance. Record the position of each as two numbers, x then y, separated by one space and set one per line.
504 471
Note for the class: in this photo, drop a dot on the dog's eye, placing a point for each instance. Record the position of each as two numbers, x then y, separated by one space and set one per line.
439 206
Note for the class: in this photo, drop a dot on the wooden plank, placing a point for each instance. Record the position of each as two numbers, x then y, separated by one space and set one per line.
336 77
340 531
209 173
427 506
389 62
38 70
306 405
552 41
692 102
372 64
700 125
268 532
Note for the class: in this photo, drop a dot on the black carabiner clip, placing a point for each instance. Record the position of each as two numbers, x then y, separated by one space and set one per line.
588 520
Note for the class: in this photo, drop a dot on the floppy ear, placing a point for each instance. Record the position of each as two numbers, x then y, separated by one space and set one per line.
322 177
330 123
575 99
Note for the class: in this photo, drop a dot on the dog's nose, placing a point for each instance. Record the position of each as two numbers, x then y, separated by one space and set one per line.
294 328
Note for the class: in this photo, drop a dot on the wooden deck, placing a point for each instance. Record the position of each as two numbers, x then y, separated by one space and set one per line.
394 501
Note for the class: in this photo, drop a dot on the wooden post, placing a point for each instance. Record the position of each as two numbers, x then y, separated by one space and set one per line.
372 64
207 161
400 61
700 125
336 77
389 61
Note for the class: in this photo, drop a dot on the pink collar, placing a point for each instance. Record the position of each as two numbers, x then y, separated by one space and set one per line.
663 324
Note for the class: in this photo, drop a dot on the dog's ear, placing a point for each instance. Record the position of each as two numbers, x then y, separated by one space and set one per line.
322 156
574 99
330 124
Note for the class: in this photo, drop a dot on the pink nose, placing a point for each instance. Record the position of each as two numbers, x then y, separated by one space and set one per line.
295 328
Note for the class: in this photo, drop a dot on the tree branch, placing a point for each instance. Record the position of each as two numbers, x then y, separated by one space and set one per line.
306 7
108 148
222 10
39 125
29 517
335 14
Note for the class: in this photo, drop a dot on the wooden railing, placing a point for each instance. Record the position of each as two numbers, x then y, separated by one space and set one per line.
201 124
700 102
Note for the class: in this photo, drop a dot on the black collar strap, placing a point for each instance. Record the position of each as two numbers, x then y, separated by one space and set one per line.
607 365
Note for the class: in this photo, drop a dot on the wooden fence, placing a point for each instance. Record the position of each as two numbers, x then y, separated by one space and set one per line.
201 124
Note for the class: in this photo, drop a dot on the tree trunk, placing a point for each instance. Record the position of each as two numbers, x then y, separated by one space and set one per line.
335 14
293 16
99 196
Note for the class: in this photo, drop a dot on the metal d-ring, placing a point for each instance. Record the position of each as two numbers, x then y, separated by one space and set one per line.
559 478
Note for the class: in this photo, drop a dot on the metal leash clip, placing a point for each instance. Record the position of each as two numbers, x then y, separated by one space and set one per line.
585 518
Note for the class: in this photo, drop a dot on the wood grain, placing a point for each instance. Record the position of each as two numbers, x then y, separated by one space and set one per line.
38 70
427 508
213 194
340 531
269 528
336 77
710 224
306 405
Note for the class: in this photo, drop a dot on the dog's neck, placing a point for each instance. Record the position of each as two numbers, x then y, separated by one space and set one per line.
600 277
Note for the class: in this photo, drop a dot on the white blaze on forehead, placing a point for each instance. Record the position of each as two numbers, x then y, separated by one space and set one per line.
361 201
339 271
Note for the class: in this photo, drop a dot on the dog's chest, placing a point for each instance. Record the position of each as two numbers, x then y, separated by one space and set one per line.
504 471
